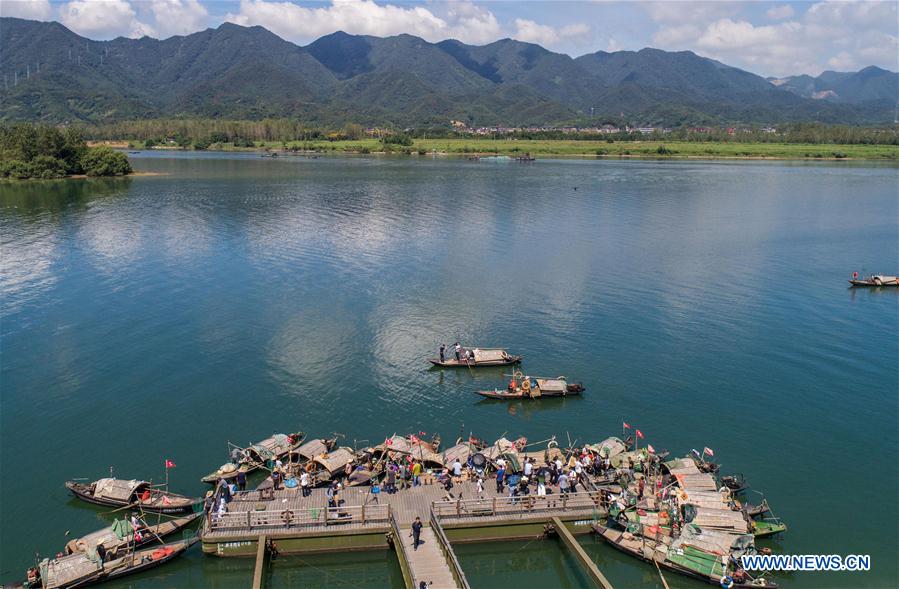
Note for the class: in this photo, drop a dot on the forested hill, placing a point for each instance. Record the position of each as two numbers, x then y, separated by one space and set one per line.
53 75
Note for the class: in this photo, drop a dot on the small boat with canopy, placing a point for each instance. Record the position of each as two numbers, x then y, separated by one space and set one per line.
118 537
522 386
476 357
256 456
874 280
87 568
134 493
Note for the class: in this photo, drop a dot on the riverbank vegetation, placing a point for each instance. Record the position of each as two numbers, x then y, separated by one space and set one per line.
198 133
570 148
41 151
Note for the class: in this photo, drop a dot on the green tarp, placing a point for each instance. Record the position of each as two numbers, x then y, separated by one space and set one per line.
121 528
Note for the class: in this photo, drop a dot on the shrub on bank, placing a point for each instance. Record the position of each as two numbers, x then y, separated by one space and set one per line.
103 161
42 151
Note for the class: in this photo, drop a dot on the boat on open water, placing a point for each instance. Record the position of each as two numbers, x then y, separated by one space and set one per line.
534 387
133 493
475 358
874 280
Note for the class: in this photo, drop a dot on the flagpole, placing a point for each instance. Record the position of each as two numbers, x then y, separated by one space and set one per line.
166 474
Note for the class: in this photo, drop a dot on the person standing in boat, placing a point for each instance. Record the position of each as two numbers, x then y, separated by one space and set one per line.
442 353
458 350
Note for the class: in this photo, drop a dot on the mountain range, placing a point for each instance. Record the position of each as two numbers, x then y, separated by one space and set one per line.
53 75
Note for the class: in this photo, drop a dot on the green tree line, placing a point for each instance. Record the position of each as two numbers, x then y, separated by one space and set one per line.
203 133
42 151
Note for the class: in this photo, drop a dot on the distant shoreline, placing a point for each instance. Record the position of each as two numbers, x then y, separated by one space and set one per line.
471 148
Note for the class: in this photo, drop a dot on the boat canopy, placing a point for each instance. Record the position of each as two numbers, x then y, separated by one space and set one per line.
335 460
119 530
117 489
272 447
460 451
65 570
714 541
395 443
489 355
312 448
609 447
638 456
558 385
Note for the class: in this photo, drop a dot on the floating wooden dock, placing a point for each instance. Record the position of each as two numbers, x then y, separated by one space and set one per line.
595 575
292 524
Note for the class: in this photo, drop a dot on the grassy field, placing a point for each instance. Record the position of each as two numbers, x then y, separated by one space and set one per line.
563 148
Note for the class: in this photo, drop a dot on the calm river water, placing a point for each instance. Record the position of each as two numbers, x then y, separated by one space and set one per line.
232 296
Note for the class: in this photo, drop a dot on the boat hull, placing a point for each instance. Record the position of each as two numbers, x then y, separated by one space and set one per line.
599 529
872 284
85 495
507 396
453 363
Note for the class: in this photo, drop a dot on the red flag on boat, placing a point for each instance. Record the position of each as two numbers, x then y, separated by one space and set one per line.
388 441
625 425
639 434
650 448
422 433
169 463
708 451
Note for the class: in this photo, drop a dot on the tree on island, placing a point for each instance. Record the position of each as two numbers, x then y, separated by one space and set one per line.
42 151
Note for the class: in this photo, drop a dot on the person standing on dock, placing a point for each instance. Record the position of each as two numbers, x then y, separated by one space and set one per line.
563 483
304 483
391 479
416 533
241 480
500 477
416 474
457 469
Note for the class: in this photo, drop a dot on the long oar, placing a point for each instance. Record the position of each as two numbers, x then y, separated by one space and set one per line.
664 582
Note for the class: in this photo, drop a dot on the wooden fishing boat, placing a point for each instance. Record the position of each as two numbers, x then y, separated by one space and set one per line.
332 465
477 357
120 536
303 457
875 280
255 456
82 569
533 387
684 559
767 527
134 493
735 482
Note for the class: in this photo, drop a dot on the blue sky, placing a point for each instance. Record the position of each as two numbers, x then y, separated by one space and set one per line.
768 38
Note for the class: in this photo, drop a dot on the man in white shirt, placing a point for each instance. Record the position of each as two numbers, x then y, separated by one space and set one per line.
528 467
457 468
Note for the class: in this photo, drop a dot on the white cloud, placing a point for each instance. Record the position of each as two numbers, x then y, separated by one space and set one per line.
843 35
103 19
472 23
178 17
575 30
780 12
361 17
532 32
842 61
30 9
